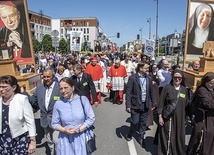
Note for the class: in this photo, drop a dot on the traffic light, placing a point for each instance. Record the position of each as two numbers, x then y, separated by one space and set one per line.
138 37
118 35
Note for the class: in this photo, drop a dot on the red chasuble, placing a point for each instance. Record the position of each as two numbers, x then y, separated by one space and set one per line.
117 72
95 71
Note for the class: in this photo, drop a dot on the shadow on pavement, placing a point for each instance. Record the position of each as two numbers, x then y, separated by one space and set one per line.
122 131
150 147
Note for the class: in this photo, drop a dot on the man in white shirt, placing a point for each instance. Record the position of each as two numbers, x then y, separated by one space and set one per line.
164 75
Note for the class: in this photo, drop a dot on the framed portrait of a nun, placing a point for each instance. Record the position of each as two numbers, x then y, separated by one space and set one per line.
199 27
16 32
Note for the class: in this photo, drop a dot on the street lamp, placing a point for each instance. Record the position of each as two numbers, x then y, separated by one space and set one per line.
41 15
149 21
156 39
173 41
140 34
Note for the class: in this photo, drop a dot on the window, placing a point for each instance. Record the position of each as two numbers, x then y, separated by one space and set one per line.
87 37
88 30
84 31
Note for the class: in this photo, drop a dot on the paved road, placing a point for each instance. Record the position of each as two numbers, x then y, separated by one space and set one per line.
112 124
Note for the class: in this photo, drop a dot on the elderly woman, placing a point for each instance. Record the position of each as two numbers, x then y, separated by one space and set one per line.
17 127
200 28
72 118
171 136
201 141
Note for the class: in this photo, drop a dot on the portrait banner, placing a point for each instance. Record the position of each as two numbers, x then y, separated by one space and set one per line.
15 34
149 47
199 27
76 40
97 46
137 46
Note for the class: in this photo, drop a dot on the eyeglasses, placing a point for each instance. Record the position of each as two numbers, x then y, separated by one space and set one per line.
176 77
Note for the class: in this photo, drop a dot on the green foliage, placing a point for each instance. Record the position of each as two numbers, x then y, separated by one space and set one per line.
36 45
63 45
122 48
47 43
161 50
68 44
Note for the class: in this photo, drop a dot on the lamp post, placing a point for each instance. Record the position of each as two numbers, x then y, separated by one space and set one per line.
173 41
140 34
41 15
156 39
149 21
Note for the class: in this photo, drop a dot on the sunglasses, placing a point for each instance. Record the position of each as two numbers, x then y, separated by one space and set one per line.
176 77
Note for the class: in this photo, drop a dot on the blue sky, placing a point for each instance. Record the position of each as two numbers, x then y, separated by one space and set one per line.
126 17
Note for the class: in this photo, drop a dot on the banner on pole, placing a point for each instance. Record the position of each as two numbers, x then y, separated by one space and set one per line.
76 40
149 47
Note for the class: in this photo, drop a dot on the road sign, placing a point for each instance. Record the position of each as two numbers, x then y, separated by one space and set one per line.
55 33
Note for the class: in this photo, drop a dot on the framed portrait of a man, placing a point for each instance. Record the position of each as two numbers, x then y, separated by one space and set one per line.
97 46
15 31
199 27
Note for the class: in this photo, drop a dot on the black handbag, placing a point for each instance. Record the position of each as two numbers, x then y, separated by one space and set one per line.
90 138
91 143
169 109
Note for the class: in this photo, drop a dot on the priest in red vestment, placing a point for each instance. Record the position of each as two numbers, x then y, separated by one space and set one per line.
117 74
96 72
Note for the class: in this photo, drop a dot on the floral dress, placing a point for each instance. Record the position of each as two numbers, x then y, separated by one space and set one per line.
9 145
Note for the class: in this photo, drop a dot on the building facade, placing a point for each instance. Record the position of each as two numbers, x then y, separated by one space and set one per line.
40 25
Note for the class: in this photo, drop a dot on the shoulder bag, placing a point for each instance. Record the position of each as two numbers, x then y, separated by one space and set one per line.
169 109
90 136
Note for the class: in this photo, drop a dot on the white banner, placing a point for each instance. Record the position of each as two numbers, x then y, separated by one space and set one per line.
76 40
149 47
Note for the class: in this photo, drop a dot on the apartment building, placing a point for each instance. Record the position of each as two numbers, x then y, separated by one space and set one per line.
40 25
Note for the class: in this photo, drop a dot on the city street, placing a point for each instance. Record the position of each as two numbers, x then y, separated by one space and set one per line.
111 126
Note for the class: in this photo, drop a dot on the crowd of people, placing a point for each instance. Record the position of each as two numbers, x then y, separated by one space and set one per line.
71 79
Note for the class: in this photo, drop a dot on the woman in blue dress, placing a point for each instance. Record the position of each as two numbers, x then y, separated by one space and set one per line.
71 120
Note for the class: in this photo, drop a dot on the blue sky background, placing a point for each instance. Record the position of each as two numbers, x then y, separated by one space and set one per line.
126 17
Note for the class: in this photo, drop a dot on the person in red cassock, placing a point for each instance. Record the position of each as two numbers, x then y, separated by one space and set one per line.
96 73
117 75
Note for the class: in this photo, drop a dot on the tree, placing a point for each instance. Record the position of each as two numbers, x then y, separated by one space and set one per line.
63 45
47 43
122 48
68 45
36 45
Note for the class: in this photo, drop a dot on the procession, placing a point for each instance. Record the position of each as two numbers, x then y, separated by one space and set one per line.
65 90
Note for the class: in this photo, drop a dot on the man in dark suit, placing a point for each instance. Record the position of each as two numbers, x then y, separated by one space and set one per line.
139 95
45 96
28 69
84 84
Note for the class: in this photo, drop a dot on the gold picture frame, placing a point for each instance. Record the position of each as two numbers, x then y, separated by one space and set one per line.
21 48
196 33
